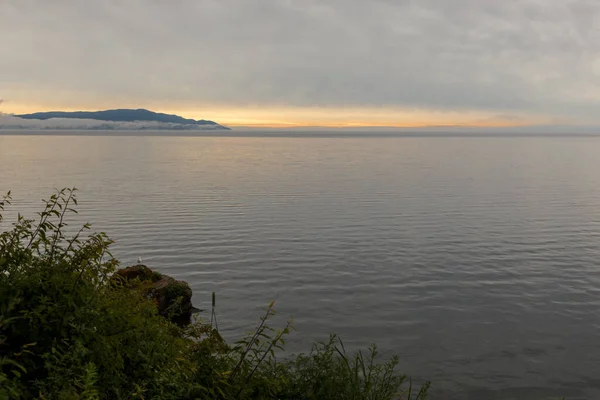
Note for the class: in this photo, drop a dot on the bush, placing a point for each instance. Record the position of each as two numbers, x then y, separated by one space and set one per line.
69 331
329 373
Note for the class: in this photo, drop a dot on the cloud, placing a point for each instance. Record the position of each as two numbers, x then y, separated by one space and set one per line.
10 122
510 56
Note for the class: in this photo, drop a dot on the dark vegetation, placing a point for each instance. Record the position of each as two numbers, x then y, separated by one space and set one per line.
70 328
122 115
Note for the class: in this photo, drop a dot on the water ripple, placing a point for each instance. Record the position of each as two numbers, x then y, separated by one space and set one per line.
474 259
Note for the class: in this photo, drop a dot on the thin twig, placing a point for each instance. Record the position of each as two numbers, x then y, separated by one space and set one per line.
273 342
259 330
44 216
58 233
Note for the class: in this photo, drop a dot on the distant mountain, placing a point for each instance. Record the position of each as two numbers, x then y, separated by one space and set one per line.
128 115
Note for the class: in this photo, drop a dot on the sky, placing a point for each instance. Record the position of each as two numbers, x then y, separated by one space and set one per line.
308 63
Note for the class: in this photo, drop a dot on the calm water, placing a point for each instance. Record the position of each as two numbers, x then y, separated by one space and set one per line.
475 259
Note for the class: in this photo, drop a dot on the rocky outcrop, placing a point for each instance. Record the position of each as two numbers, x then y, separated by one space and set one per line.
172 297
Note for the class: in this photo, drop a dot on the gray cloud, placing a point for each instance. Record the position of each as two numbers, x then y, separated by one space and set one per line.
532 56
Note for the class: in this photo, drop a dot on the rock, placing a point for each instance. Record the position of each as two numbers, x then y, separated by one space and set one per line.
140 272
172 297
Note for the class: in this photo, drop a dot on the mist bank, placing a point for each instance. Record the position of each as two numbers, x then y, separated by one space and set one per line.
121 119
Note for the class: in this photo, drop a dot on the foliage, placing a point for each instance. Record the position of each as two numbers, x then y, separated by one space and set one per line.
69 331
329 372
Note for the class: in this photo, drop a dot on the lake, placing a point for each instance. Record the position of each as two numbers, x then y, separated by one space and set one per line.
475 259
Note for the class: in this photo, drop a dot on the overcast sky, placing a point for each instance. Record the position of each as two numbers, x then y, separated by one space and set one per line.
373 62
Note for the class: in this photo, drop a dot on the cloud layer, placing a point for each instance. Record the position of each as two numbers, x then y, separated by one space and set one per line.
11 122
514 57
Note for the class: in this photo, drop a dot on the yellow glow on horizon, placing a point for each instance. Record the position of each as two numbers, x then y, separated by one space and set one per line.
331 117
279 117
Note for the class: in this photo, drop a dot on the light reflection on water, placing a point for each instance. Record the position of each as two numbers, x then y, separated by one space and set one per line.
474 259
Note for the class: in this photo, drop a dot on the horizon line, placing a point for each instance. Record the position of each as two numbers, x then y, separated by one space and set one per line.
488 123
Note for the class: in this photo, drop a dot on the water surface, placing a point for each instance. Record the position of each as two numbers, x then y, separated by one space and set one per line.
475 259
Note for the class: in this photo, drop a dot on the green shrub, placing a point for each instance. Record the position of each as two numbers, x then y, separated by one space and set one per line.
328 372
68 331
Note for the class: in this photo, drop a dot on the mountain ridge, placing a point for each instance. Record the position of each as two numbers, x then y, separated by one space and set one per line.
123 115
